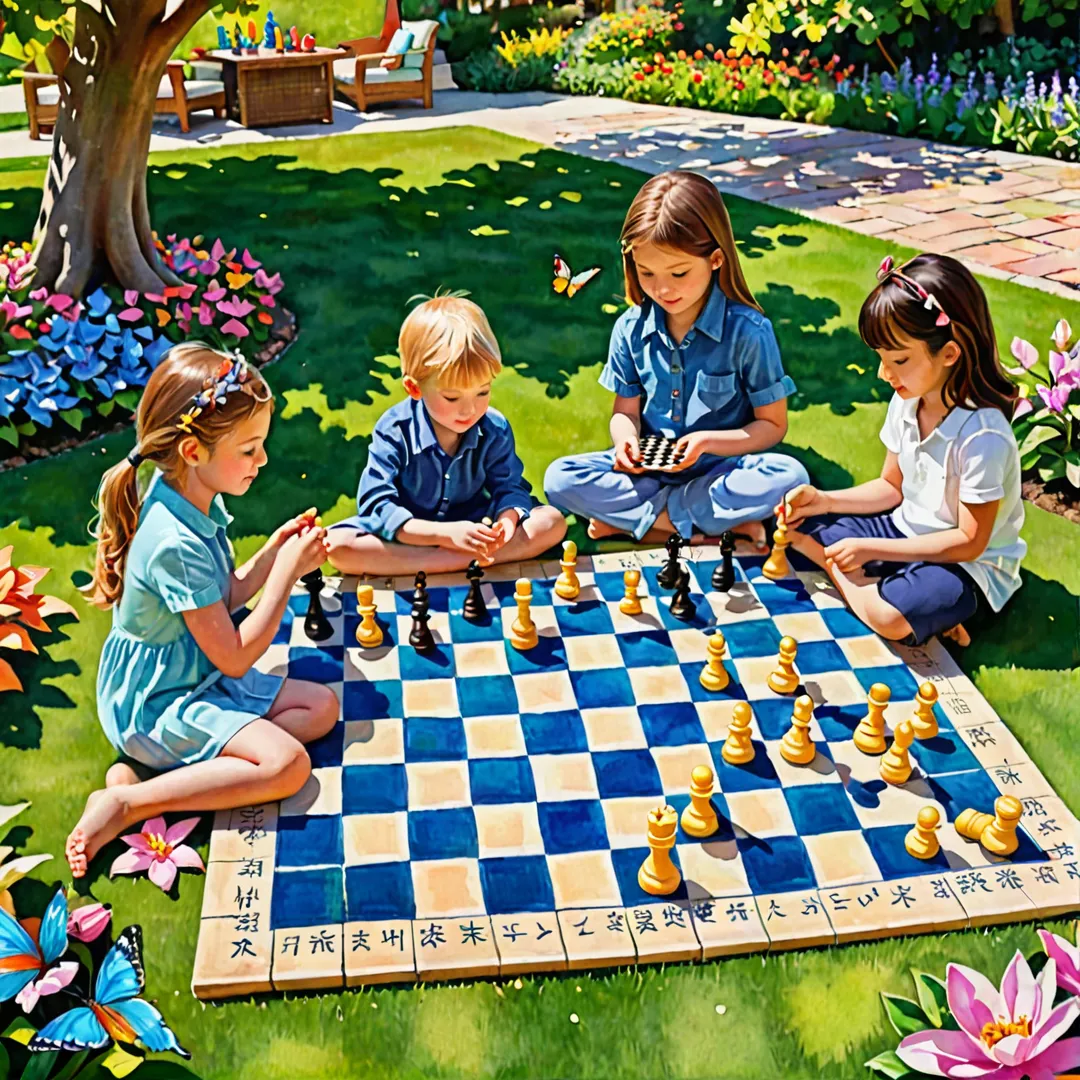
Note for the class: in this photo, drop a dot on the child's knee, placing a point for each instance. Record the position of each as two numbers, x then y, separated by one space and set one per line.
888 621
327 711
549 525
289 766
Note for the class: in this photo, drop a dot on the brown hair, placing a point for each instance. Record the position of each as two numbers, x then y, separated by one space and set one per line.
683 211
449 337
185 371
892 312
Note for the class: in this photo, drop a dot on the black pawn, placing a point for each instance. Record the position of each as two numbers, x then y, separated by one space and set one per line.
420 593
420 635
723 577
474 609
316 624
668 577
682 607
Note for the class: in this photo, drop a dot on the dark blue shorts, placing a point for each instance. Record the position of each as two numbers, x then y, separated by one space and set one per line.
933 597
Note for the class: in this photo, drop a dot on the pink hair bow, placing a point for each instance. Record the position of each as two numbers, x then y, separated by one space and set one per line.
886 270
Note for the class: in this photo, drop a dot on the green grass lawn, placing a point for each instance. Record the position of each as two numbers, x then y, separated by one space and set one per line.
358 225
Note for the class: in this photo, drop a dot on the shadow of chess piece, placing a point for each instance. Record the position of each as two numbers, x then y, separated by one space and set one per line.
723 577
668 577
658 875
682 607
475 608
316 624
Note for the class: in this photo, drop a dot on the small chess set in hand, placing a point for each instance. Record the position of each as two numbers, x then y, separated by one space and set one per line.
657 453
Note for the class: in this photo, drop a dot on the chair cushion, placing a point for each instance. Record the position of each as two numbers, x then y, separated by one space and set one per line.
381 75
345 70
422 31
413 60
198 88
400 43
48 95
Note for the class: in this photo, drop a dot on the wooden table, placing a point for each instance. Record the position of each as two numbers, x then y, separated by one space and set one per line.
266 87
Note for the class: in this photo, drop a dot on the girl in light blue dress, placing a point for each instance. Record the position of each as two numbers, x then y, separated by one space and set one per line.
177 687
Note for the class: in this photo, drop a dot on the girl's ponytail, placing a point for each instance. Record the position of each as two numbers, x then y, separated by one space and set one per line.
118 516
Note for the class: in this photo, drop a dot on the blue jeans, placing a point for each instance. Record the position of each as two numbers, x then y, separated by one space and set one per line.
715 494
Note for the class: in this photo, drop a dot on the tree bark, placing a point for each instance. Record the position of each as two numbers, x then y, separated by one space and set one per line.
94 223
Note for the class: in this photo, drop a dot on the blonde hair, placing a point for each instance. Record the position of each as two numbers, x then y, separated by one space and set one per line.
683 211
185 371
450 338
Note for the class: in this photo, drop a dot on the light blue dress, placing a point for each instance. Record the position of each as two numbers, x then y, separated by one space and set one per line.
160 699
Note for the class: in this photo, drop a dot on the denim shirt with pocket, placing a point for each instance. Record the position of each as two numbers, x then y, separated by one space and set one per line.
727 365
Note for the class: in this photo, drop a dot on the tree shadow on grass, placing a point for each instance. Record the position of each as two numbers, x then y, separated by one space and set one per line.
20 726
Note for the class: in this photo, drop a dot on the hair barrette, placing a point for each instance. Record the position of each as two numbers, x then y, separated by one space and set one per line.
232 375
887 270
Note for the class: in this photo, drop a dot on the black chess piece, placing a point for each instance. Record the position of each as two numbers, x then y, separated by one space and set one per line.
668 577
420 593
420 637
682 607
723 577
474 609
316 624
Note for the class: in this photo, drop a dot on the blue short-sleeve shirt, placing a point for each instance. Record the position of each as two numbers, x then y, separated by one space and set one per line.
408 474
727 365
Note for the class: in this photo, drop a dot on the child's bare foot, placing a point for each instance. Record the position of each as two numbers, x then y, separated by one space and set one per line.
600 530
120 774
959 635
103 820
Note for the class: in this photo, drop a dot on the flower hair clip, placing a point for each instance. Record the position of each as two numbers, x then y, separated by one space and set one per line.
232 375
929 300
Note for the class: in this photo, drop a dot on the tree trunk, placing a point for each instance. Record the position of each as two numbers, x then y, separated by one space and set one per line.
94 223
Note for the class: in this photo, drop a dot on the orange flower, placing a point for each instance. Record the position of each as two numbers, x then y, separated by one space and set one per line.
698 54
698 76
647 68
681 54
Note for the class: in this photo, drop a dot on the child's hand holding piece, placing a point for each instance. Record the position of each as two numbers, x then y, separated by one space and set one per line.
803 502
304 552
293 526
627 454
473 538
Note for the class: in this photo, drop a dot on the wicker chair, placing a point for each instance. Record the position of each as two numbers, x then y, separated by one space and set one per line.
176 96
372 74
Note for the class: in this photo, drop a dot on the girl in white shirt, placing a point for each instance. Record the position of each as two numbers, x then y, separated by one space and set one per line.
912 551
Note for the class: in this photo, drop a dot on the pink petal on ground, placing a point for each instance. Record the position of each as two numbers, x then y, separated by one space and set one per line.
214 294
157 298
137 841
59 302
1067 959
180 830
972 999
130 314
208 267
39 294
267 300
941 1053
1025 352
217 252
186 291
131 862
187 857
206 315
163 873
154 826
249 261
1018 990
234 326
131 297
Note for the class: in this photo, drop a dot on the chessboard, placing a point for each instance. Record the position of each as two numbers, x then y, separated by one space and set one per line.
481 811
658 453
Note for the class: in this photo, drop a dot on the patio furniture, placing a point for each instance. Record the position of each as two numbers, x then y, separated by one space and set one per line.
176 96
265 88
381 70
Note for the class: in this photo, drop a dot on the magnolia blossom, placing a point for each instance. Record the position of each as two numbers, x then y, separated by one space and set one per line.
1054 398
1026 353
1062 333
1067 958
158 850
1065 369
1005 1034
52 982
88 923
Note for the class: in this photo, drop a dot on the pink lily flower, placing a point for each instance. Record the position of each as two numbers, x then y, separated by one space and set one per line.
158 850
249 261
1065 369
264 281
236 307
52 982
234 326
89 922
1026 353
1062 333
1004 1034
1067 958
1054 399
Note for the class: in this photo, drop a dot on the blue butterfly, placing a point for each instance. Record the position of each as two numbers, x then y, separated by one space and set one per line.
115 1013
26 952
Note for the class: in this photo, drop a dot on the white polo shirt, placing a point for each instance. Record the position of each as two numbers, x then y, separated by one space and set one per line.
970 457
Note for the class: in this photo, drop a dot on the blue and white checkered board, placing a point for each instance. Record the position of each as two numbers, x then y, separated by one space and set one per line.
531 768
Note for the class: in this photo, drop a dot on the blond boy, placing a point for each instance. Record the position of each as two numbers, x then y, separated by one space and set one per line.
442 461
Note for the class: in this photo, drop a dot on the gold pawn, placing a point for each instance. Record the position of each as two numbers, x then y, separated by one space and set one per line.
523 630
630 604
924 722
567 585
776 565
999 837
699 818
970 823
896 765
783 679
869 736
921 841
714 676
658 875
369 634
796 745
738 748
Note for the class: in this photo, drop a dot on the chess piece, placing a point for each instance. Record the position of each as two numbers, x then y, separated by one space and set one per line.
279 40
567 585
682 607
630 604
999 837
970 823
699 818
723 577
776 565
738 749
523 630
869 736
420 636
369 634
222 38
896 765
924 722
316 624
668 577
658 875
236 40
796 745
308 43
784 680
420 593
714 676
268 30
475 608
252 32
921 841
294 39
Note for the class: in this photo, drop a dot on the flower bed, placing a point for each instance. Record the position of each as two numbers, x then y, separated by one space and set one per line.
67 365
